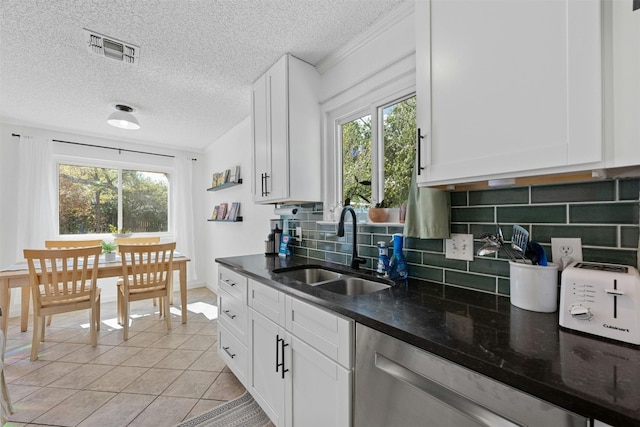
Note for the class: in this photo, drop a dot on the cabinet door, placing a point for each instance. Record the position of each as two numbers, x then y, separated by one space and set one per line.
319 392
508 87
266 383
278 95
260 134
623 43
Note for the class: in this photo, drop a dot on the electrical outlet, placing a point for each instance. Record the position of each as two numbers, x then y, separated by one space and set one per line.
459 246
564 251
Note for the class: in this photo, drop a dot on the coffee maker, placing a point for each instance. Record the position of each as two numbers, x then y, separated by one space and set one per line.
272 244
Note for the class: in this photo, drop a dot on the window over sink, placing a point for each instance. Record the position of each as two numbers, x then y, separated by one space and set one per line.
377 153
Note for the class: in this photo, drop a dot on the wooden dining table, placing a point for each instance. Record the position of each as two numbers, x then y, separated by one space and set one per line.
16 277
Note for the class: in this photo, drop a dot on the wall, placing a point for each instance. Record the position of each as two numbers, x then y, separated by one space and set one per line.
604 214
223 239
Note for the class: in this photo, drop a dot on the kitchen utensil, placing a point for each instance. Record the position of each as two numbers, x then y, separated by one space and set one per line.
508 251
519 238
493 244
531 254
541 255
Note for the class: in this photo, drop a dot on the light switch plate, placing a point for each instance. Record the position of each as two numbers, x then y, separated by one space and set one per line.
459 246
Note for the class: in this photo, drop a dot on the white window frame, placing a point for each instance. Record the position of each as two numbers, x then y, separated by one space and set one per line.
90 162
372 103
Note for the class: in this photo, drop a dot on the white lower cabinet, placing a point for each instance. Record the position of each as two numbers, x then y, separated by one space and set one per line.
266 381
318 389
298 382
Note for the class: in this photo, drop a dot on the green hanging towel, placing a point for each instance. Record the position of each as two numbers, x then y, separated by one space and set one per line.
428 212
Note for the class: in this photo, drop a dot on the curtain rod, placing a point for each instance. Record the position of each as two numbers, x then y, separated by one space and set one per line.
119 150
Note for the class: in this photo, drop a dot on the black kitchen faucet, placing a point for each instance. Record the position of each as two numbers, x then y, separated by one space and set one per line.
355 259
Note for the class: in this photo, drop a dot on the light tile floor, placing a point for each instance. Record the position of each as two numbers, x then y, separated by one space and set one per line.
156 378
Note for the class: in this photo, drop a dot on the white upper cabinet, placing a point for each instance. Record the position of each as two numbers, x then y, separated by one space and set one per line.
622 83
286 133
507 88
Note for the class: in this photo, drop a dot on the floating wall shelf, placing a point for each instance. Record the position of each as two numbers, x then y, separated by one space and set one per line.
225 185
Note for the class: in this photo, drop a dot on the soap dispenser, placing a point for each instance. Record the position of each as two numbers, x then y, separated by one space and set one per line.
383 259
398 264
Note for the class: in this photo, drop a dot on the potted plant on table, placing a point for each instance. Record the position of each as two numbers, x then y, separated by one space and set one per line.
109 251
123 232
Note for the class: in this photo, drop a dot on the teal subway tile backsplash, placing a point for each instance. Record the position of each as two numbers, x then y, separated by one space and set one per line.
472 214
532 214
628 189
459 198
629 237
604 214
590 234
584 192
472 281
504 196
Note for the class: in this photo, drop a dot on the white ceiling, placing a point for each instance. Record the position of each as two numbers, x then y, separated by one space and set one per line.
198 59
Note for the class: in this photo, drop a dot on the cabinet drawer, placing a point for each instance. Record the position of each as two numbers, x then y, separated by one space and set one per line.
327 332
234 353
233 315
234 283
267 301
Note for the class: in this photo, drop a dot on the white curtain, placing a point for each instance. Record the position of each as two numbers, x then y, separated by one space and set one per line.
36 194
183 209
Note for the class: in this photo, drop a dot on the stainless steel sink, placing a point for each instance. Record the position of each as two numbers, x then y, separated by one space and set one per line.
310 275
352 286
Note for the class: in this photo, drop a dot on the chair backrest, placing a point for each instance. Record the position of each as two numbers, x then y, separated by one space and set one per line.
64 244
147 267
58 275
136 241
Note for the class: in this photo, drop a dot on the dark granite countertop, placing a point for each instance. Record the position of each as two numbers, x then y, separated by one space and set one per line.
588 375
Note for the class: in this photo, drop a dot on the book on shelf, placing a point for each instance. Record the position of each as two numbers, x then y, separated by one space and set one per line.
214 215
232 215
234 176
226 175
222 211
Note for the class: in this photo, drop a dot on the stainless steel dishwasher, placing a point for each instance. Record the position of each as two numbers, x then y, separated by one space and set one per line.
397 384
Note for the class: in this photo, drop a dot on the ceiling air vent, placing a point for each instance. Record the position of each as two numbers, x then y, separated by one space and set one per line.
112 48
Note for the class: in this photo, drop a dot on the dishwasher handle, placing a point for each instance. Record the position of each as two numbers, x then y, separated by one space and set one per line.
445 395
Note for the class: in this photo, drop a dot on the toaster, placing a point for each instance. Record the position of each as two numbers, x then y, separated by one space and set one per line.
601 299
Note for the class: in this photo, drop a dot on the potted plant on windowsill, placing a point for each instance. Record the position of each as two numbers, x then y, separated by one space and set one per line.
123 232
378 213
109 251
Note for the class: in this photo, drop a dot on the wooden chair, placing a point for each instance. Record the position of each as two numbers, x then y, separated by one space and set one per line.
63 280
147 272
66 244
141 241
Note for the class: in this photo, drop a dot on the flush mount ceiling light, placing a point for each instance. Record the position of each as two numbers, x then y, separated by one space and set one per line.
123 119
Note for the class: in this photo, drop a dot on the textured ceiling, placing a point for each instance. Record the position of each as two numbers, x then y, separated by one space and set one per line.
197 61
